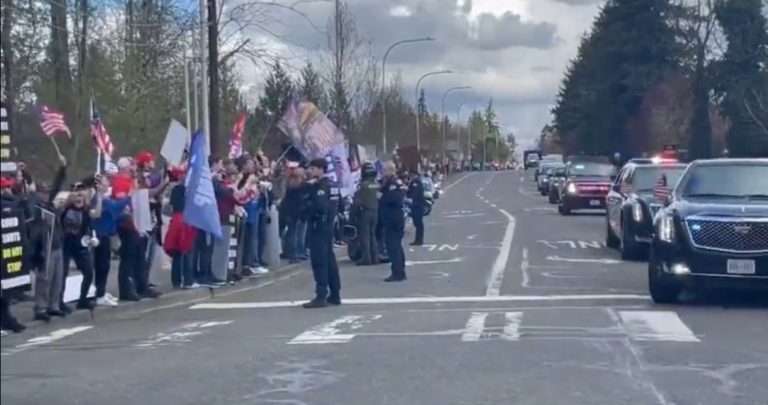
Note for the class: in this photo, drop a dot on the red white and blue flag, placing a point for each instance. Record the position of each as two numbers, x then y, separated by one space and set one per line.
99 134
661 190
52 121
236 140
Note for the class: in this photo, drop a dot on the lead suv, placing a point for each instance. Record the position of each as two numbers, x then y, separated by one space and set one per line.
713 229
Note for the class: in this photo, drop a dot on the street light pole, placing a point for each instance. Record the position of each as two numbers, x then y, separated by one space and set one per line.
442 136
418 117
384 85
458 120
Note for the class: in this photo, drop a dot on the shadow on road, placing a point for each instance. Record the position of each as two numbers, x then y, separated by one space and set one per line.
735 299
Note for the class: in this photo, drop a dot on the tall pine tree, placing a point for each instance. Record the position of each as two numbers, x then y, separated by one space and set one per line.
278 90
742 76
311 88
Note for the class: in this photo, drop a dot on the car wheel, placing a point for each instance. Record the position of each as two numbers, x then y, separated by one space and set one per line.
551 198
663 288
563 209
611 240
629 248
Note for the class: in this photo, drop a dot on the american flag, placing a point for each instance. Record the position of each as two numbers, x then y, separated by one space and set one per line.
236 141
99 133
52 121
661 191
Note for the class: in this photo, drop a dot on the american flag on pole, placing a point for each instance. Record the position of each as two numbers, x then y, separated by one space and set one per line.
99 133
52 121
661 190
236 141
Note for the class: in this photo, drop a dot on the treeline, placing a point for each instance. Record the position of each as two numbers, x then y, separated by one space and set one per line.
650 72
364 125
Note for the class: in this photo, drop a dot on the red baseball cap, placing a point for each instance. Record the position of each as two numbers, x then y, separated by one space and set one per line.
144 157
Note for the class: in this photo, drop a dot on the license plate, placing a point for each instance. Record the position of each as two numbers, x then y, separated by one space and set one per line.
741 266
595 203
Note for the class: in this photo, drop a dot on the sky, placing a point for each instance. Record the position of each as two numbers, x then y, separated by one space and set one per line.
513 51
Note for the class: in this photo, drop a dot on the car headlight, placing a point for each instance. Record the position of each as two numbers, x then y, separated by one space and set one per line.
637 212
667 228
571 189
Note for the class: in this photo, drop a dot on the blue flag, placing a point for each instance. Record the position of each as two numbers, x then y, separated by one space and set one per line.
200 208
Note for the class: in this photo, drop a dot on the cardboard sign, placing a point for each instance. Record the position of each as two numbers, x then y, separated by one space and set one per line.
176 142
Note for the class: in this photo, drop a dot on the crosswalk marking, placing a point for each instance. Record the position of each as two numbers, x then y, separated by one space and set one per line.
656 326
330 332
512 328
475 327
47 339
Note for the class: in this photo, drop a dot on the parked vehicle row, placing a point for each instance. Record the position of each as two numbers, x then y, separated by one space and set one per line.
698 224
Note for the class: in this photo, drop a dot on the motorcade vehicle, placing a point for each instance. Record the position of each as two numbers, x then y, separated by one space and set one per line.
713 230
547 171
586 186
633 201
531 158
555 182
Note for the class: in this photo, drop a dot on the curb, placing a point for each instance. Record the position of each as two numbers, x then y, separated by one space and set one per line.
171 298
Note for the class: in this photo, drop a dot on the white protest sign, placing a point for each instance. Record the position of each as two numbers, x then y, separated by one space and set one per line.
142 217
176 142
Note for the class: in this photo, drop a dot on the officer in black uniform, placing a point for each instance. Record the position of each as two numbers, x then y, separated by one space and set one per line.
418 206
365 207
320 238
391 206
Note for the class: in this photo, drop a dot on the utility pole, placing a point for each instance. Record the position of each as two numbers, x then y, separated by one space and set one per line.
204 76
187 106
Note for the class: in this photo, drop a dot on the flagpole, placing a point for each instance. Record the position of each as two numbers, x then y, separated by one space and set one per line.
186 92
98 161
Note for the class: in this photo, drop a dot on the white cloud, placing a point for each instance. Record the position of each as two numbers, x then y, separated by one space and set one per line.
513 51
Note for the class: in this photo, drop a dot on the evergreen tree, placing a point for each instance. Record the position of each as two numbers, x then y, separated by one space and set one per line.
628 49
311 87
421 105
742 76
491 122
278 90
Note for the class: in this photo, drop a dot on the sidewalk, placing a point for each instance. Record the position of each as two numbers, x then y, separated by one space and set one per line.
160 276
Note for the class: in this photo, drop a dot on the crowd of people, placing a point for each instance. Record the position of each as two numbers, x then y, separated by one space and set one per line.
121 211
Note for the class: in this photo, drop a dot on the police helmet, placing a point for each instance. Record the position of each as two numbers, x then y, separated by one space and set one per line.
368 170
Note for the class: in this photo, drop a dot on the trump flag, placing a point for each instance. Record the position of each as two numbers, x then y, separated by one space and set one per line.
200 208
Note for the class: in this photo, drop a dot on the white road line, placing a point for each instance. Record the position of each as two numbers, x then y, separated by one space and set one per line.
330 332
512 328
656 326
415 263
524 265
475 326
431 300
459 180
497 271
47 339
572 260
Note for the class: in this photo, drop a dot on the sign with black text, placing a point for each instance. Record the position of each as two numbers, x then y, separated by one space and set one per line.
6 144
13 273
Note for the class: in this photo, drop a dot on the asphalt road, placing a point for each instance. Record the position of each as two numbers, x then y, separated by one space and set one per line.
510 303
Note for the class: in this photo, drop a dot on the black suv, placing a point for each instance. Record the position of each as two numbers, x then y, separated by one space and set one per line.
632 203
713 230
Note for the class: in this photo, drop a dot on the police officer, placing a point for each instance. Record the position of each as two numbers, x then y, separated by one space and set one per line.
320 238
391 204
365 207
418 206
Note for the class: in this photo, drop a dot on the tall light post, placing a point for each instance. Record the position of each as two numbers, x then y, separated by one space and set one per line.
450 90
458 120
384 84
418 117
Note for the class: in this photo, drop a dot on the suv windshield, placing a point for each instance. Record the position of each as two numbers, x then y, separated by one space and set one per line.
645 178
737 180
591 169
